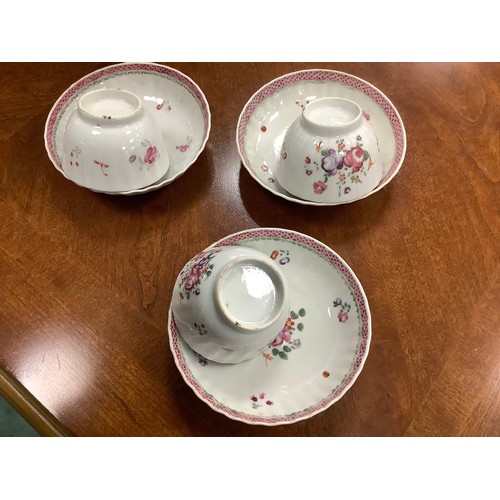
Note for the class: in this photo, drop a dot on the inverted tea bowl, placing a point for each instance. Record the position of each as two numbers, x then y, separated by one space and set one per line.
111 143
330 153
230 303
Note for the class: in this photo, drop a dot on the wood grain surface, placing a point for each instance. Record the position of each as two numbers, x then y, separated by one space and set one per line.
86 278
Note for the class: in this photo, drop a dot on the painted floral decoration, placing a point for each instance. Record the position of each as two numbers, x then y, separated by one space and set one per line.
164 104
102 165
339 162
257 402
283 256
342 315
319 187
184 147
302 103
284 344
355 157
75 156
193 275
75 160
150 156
332 161
202 330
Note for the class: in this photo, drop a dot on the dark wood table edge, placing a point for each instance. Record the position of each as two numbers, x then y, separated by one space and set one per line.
30 408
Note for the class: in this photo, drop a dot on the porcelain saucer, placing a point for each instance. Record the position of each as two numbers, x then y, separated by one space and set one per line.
176 102
267 115
313 361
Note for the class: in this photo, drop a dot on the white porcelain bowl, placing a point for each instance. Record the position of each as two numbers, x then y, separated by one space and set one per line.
330 153
112 144
230 303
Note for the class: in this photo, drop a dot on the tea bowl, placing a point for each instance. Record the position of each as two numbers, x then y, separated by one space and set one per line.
330 153
112 144
229 303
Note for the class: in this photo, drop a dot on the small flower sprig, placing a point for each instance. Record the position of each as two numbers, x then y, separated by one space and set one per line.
283 254
284 338
151 155
255 401
342 315
164 104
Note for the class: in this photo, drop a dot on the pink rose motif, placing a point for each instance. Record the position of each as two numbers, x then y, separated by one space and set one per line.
283 336
190 283
354 158
319 187
150 155
182 148
343 317
193 278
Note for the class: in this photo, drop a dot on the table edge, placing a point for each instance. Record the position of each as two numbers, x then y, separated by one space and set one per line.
30 408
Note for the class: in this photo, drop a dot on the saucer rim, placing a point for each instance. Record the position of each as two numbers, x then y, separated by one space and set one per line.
395 167
360 359
91 77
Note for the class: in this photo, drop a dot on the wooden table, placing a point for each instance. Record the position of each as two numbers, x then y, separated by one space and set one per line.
86 278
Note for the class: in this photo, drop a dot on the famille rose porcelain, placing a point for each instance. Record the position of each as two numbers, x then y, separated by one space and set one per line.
316 356
330 153
270 112
230 303
175 102
112 144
